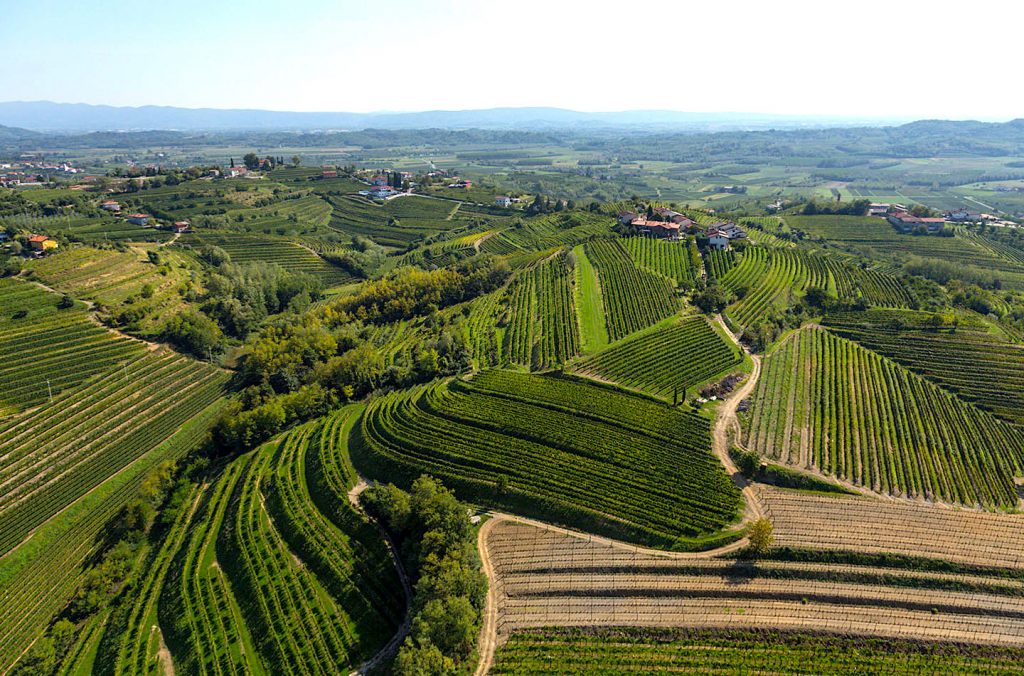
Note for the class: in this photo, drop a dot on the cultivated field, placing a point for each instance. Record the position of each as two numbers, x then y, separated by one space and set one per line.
665 361
572 452
547 578
851 524
47 350
827 403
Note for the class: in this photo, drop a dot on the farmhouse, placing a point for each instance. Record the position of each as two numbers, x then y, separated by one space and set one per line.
878 209
905 222
380 180
329 173
721 235
42 243
963 216
181 226
139 219
232 172
465 184
627 217
110 205
503 201
381 192
661 229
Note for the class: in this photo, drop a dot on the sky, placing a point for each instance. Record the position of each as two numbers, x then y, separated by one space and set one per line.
892 58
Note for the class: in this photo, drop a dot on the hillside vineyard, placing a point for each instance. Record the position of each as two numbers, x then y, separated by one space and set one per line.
437 401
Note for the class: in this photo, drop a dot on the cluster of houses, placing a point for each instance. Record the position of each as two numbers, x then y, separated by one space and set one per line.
144 219
463 183
667 224
904 221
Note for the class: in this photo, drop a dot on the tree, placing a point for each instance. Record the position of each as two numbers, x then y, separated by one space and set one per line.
713 299
760 537
251 161
296 160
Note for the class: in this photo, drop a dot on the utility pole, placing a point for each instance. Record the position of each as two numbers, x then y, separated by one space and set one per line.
209 353
49 390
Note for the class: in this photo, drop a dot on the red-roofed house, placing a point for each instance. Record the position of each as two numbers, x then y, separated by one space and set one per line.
662 229
181 226
42 243
139 219
110 205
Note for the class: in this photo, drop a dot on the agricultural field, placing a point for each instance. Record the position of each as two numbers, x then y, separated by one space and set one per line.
972 359
634 298
616 650
566 450
768 279
397 222
542 330
548 232
39 577
288 254
826 403
52 456
876 238
546 578
830 523
678 261
48 349
86 228
279 571
123 285
851 505
665 361
197 610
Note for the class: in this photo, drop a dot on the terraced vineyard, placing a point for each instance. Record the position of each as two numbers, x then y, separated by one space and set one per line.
627 650
565 450
719 263
53 456
280 572
766 280
877 238
47 349
298 626
665 361
287 254
299 214
970 361
853 524
542 577
824 402
548 232
542 329
198 611
397 222
678 261
633 297
130 644
40 577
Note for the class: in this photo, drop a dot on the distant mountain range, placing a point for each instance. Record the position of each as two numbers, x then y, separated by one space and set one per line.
79 117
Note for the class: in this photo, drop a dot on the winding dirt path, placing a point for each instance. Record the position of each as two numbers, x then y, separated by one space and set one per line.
392 646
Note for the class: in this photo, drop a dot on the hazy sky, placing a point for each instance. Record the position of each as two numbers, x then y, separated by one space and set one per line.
866 58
